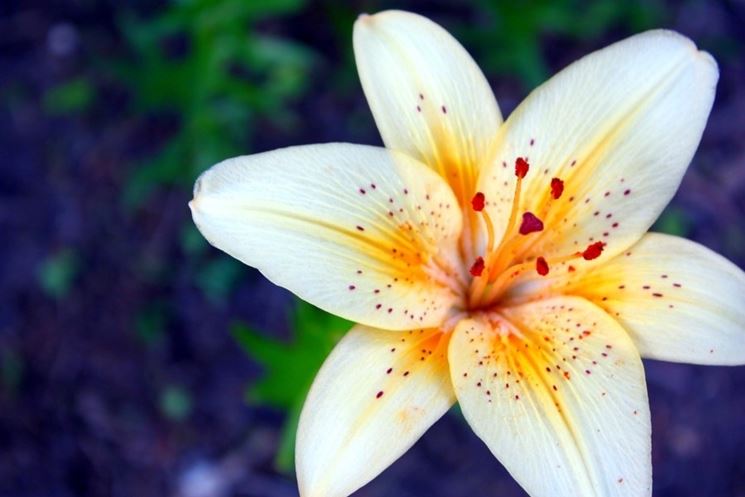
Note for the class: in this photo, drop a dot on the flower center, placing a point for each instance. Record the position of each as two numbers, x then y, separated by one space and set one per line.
503 264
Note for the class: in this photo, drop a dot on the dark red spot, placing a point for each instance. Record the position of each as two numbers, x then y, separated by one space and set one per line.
444 109
521 167
532 142
530 224
626 193
658 295
418 109
557 187
352 287
593 251
360 228
571 269
379 394
389 371
478 267
477 202
541 266
362 191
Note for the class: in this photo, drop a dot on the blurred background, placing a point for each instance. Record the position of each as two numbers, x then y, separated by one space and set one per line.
136 360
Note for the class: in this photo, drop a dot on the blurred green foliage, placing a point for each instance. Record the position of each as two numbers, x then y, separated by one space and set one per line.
57 273
205 62
220 69
511 38
175 403
289 367
673 221
11 370
72 96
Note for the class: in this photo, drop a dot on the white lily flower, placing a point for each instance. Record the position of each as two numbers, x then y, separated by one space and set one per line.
504 266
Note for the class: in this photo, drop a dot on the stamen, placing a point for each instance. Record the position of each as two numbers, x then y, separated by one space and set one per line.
530 224
478 267
557 188
541 266
521 167
593 251
477 202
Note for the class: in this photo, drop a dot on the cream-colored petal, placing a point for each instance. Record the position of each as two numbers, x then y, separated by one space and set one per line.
556 391
679 300
359 231
428 96
375 395
619 128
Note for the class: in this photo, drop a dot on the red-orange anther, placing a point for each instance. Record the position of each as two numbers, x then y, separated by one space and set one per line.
478 201
541 266
593 251
478 267
521 167
557 188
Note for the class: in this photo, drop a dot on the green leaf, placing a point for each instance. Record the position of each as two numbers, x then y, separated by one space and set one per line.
73 96
11 370
673 221
218 277
289 367
57 273
175 403
150 323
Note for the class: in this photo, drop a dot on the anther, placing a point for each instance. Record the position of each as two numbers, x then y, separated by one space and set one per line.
477 202
521 167
530 224
557 188
478 267
541 266
593 251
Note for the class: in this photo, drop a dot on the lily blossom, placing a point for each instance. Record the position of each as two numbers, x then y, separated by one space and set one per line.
504 266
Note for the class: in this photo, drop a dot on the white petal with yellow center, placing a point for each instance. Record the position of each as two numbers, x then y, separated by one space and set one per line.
679 300
556 391
375 395
428 96
355 230
619 128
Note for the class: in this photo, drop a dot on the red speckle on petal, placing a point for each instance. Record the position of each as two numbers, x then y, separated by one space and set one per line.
557 188
478 267
530 224
379 394
477 202
541 266
593 251
521 167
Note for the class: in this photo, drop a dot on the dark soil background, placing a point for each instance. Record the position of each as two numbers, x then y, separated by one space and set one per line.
118 372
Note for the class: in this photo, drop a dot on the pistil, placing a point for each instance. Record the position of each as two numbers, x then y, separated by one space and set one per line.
494 270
